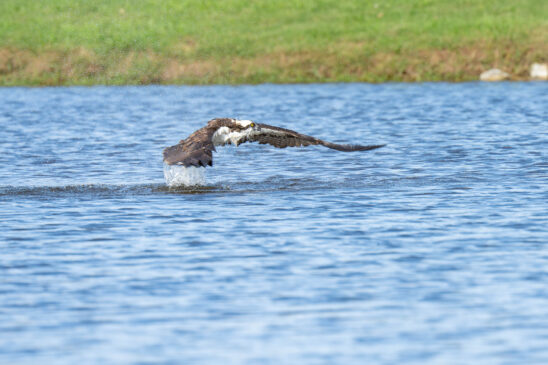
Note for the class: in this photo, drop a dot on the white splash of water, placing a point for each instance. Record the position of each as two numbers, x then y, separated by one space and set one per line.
176 175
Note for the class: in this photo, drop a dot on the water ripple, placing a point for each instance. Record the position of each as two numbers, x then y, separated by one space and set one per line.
429 250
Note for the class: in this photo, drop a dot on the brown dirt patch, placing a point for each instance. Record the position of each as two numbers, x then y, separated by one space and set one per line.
342 62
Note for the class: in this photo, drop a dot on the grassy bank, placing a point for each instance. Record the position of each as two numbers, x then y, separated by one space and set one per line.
58 42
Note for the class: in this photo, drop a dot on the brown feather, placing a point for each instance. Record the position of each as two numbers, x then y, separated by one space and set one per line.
197 150
281 138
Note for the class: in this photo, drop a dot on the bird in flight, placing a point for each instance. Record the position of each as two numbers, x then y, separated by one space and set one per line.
197 150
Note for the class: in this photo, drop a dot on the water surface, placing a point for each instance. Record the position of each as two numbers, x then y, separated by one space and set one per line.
430 250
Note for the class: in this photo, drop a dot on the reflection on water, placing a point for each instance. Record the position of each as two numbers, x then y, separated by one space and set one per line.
429 250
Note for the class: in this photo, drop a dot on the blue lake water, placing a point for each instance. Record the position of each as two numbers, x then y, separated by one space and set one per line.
433 249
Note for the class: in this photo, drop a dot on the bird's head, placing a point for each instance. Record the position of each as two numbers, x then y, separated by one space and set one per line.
248 124
254 126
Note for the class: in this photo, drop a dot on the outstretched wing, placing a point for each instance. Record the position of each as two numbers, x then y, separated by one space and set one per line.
282 138
196 150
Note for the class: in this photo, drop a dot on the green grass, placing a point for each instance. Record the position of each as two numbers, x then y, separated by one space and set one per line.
255 41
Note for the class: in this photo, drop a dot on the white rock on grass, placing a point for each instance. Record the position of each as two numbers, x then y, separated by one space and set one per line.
539 71
494 74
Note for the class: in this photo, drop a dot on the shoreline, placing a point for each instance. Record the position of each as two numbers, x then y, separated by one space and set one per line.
513 81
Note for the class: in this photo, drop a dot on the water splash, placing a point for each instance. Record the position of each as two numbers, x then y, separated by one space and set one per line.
184 176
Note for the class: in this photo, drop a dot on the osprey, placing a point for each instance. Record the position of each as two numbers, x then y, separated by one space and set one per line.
197 149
